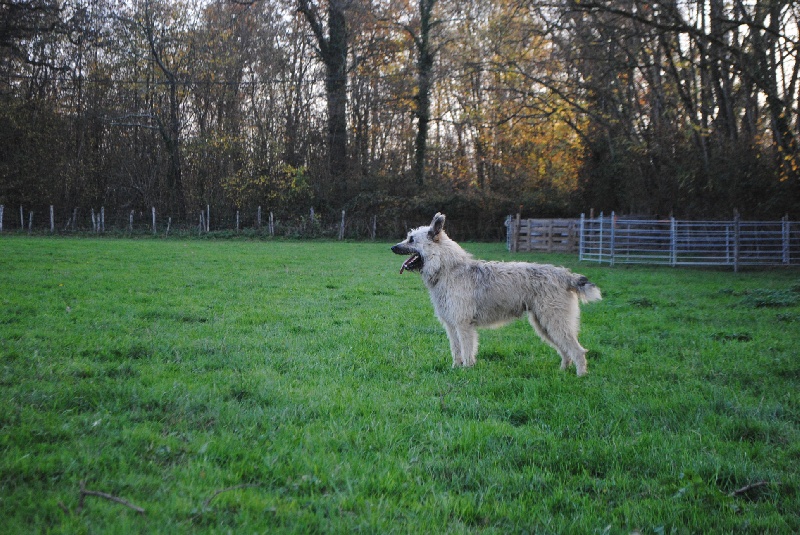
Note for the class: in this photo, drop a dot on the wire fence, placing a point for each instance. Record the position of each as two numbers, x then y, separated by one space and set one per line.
48 219
673 242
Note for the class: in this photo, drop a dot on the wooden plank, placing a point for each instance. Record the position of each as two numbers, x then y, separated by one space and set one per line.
547 235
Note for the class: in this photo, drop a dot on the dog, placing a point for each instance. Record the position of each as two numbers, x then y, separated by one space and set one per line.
467 293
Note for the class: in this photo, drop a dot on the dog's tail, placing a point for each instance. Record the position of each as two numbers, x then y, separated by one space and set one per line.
587 292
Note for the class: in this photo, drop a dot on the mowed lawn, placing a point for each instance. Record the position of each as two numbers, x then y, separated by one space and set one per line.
277 386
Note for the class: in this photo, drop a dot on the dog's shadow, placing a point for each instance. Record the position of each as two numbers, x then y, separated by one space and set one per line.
494 356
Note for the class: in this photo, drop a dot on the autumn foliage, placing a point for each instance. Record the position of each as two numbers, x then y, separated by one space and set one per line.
650 108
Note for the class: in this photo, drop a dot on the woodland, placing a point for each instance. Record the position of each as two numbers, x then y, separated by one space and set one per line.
395 109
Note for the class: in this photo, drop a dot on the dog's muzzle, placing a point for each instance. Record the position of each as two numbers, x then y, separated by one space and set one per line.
413 262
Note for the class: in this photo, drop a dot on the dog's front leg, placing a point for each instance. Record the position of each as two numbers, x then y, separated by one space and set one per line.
455 345
468 338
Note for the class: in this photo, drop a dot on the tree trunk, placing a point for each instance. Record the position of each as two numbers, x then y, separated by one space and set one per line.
333 53
422 112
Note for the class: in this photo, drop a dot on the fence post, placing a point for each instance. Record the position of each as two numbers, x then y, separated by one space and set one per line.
94 222
52 220
341 228
103 219
600 239
21 218
785 239
736 236
374 226
580 238
259 218
154 220
673 245
130 222
30 221
271 224
208 218
237 220
515 237
613 243
2 207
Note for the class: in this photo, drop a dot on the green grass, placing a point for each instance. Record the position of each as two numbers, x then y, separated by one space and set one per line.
276 386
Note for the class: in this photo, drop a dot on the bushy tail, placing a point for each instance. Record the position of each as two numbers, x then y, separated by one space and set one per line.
587 292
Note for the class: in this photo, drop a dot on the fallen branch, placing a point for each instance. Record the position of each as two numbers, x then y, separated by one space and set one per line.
748 488
85 492
220 491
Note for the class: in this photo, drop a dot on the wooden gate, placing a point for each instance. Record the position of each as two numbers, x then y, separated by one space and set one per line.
544 235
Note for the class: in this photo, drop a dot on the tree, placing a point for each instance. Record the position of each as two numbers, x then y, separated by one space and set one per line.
426 54
154 22
332 51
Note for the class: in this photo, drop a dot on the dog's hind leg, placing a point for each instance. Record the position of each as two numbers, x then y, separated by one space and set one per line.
565 360
561 332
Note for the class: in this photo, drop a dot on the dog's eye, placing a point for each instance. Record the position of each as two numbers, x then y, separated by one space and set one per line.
411 239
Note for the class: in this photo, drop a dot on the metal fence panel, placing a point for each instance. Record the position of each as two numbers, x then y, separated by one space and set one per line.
689 243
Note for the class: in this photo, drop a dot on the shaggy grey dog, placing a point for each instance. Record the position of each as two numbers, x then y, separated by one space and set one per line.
468 293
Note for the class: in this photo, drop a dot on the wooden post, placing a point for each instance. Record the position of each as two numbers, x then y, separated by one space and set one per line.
94 223
130 222
52 221
374 226
341 228
237 220
21 218
102 219
30 221
271 224
208 218
169 223
202 226
515 235
154 219
2 207
259 217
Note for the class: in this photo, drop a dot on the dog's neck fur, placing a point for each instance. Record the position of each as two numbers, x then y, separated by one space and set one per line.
447 254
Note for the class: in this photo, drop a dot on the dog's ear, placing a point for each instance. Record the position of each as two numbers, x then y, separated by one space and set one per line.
436 226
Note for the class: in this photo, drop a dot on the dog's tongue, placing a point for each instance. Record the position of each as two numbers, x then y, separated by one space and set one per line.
406 265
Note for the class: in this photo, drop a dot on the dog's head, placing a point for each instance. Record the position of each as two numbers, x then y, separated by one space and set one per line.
418 244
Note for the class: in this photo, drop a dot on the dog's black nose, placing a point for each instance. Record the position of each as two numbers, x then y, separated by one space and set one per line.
394 249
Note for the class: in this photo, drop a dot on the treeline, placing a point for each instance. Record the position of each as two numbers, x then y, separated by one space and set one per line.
399 109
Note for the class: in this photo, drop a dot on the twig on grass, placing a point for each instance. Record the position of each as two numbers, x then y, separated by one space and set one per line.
748 488
85 492
220 491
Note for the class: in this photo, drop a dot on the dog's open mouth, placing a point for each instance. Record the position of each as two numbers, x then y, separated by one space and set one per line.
413 263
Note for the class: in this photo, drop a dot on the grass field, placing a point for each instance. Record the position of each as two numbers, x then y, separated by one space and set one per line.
257 387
